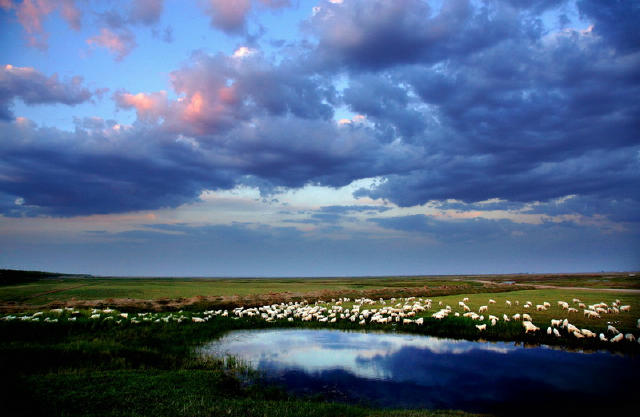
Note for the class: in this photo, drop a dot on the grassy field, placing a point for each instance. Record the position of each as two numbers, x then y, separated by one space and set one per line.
39 288
61 288
101 369
98 368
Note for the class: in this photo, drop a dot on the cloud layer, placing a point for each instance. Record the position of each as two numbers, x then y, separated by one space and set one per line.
470 102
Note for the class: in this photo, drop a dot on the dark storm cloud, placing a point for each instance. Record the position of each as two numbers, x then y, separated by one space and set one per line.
471 231
378 34
615 20
33 87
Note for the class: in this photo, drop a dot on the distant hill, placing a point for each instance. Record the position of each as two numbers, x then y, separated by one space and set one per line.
16 276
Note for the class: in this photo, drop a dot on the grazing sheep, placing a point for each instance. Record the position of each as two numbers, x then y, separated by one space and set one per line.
582 305
549 330
362 322
420 321
508 303
505 317
529 327
602 337
516 317
556 332
493 322
540 307
612 329
578 335
482 309
588 333
526 317
491 301
556 323
546 304
197 320
629 337
590 314
466 308
481 327
625 308
617 338
575 300
465 299
572 329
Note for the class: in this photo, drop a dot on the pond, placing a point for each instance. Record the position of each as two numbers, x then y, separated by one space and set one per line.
411 371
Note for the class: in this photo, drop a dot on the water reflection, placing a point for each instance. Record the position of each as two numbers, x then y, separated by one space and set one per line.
401 370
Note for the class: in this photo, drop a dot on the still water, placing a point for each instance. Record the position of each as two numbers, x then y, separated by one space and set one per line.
409 371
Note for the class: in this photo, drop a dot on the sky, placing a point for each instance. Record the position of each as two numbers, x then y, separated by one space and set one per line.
320 137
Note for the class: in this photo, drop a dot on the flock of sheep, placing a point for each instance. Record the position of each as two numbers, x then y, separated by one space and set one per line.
405 311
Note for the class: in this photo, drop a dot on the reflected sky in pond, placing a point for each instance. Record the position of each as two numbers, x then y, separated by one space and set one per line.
401 370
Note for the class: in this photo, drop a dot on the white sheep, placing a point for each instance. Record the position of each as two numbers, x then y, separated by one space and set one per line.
556 332
492 301
508 303
505 317
549 330
625 308
617 338
516 317
603 337
529 327
481 327
482 309
630 337
526 317
612 329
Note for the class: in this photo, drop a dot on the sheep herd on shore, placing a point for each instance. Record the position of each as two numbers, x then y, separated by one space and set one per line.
401 311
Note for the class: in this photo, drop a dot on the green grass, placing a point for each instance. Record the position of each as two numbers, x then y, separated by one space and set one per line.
95 368
64 289
175 393
623 321
102 369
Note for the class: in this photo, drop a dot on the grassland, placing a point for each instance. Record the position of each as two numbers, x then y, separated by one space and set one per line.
90 368
98 368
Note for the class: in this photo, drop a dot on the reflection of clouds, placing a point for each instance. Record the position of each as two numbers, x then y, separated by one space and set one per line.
363 354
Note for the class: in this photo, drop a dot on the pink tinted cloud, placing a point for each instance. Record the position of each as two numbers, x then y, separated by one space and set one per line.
230 15
31 14
149 106
119 43
146 11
